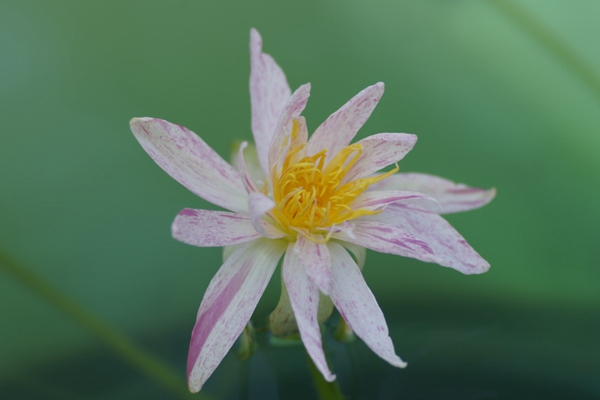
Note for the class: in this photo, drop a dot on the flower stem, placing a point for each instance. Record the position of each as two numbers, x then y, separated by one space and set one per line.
325 390
553 43
114 340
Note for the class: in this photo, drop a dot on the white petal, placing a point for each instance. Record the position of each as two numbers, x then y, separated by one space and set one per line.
386 238
315 258
191 162
378 200
340 128
269 93
379 151
449 247
228 305
249 183
357 305
259 205
452 197
304 298
282 139
207 228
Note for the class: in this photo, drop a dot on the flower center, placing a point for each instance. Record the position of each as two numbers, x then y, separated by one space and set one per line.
311 197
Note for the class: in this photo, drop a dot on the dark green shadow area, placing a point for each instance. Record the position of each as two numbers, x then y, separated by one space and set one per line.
460 350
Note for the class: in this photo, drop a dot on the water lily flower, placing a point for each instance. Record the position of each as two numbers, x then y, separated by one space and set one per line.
314 201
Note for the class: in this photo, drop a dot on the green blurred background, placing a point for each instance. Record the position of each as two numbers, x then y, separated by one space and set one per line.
497 92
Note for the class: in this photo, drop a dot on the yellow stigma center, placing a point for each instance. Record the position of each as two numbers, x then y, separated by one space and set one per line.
312 198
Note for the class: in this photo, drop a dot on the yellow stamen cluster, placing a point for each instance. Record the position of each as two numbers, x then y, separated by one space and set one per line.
311 197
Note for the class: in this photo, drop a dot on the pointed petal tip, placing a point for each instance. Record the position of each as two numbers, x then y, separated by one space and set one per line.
175 226
396 361
141 125
139 121
304 88
474 269
379 87
194 383
255 39
483 268
486 267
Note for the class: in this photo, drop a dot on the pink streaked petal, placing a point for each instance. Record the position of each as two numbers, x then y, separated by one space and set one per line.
207 228
191 162
315 258
259 205
357 305
304 298
228 304
340 128
269 93
378 200
386 238
247 180
282 138
379 151
450 248
346 229
452 197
